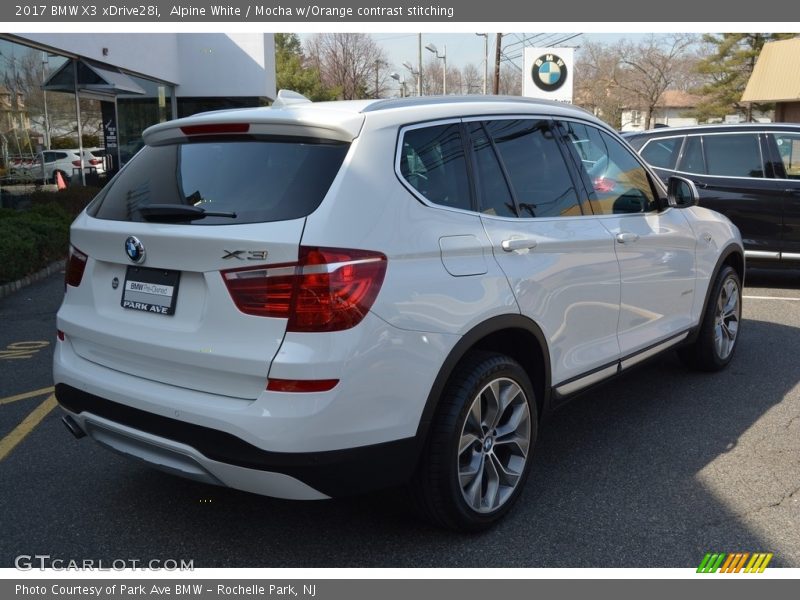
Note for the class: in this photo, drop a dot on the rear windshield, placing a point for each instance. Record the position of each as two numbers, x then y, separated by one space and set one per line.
257 179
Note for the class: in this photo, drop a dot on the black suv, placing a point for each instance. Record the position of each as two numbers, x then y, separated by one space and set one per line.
748 172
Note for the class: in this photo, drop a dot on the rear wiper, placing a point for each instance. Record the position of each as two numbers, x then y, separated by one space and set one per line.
174 213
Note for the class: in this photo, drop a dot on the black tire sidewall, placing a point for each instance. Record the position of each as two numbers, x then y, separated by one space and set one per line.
494 366
709 348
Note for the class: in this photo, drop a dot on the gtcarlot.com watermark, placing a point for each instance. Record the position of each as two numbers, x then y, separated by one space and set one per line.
43 562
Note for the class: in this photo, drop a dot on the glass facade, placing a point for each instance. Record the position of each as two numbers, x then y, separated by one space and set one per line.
136 112
31 119
39 111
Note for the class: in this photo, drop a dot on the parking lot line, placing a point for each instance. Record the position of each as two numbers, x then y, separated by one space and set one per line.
33 394
770 298
8 443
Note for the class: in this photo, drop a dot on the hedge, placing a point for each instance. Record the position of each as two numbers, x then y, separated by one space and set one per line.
33 238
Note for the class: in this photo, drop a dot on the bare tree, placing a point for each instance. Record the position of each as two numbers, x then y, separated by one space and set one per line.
455 82
596 82
432 77
510 80
471 79
349 62
651 67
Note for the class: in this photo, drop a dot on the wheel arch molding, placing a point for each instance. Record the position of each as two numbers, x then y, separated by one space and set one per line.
732 255
507 334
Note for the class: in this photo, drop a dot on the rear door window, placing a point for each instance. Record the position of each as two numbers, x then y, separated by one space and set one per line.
258 180
733 155
494 197
539 177
692 160
662 152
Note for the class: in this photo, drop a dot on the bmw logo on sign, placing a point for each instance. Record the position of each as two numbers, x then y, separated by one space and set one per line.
134 249
549 72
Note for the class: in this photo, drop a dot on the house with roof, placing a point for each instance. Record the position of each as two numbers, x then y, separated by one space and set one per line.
670 111
776 78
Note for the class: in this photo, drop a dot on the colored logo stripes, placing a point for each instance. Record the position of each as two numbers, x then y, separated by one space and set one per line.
734 563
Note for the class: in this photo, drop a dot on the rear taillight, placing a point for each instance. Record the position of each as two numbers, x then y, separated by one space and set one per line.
95 161
76 163
76 263
327 289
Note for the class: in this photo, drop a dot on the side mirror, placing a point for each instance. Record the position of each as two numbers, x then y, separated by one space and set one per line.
682 192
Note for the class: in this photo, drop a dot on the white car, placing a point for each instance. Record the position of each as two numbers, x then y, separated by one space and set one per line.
48 163
314 300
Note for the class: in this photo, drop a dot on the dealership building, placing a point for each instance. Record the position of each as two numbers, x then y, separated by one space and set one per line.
65 90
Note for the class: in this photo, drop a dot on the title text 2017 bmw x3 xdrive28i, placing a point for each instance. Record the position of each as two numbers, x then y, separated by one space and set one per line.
312 300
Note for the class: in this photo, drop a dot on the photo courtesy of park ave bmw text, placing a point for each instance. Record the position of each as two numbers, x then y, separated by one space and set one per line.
348 299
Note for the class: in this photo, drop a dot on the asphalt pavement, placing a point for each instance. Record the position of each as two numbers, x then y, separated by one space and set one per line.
651 470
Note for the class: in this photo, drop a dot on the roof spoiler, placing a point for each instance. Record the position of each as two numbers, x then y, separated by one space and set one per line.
288 98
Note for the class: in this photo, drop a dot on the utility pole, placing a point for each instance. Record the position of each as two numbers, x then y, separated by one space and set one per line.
377 68
497 52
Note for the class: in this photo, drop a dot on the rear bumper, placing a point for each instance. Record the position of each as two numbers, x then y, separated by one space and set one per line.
217 457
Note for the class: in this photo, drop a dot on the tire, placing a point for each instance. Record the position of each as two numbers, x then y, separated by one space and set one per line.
719 331
472 489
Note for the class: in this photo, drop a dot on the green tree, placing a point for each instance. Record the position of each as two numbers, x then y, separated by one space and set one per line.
727 67
292 72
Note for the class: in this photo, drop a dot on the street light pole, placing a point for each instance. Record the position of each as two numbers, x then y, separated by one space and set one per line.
443 56
485 37
444 71
415 73
402 82
45 64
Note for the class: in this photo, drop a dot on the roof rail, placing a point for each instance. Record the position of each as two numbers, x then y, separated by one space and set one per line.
288 98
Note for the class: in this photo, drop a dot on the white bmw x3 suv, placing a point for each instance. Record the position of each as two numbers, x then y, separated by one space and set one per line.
318 299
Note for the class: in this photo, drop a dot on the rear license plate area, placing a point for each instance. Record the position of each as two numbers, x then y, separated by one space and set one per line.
150 290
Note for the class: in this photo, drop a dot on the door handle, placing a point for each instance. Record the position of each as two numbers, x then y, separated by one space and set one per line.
518 244
792 191
626 237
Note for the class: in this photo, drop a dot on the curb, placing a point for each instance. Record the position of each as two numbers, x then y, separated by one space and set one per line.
9 288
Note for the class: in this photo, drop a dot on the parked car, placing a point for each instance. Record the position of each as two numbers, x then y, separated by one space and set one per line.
95 159
318 299
48 163
748 172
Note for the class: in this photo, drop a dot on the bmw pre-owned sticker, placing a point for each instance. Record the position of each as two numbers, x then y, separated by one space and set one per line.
134 249
150 290
549 72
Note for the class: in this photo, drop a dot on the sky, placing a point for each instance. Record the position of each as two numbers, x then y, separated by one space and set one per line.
464 48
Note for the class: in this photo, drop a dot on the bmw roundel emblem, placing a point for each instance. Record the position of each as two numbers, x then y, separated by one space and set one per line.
134 249
549 72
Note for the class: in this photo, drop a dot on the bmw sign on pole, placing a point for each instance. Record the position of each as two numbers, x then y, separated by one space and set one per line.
547 73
